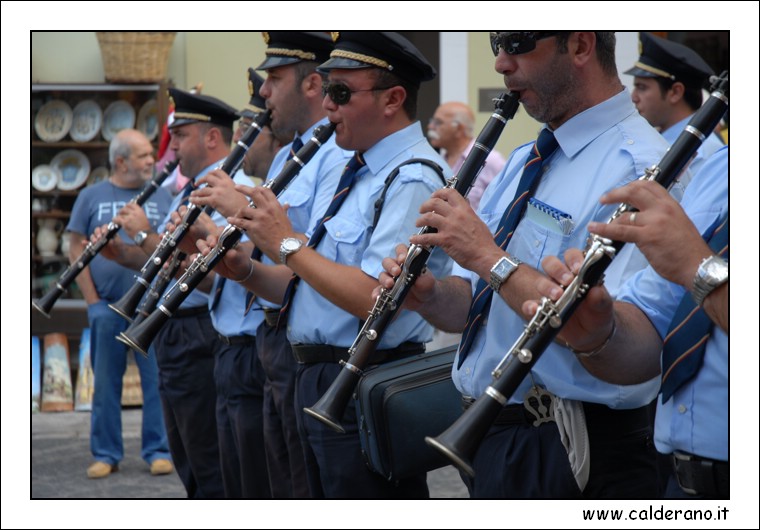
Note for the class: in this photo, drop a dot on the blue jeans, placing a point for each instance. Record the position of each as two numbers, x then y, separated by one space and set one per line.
109 362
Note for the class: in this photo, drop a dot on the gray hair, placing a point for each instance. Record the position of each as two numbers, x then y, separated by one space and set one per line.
120 147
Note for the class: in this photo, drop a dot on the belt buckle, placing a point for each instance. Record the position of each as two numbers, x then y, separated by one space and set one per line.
539 403
682 457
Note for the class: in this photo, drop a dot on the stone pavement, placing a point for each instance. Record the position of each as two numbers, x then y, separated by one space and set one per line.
61 454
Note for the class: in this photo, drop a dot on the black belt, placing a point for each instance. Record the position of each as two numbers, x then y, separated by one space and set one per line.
239 339
271 316
324 353
191 311
701 476
509 415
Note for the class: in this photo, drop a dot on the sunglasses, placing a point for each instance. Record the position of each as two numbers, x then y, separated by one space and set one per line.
517 42
340 94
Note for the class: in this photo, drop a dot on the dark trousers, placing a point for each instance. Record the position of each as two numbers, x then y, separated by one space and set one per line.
240 427
335 465
284 453
523 461
185 349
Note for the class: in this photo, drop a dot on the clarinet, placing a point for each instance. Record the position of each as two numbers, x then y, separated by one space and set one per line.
46 303
460 441
140 336
128 303
330 407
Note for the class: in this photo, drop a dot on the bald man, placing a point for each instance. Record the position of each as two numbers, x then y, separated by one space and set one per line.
450 130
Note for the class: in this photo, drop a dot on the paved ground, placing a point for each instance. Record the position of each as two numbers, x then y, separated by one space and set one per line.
60 456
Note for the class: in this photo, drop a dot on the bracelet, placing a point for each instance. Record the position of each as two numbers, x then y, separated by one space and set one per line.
598 349
250 273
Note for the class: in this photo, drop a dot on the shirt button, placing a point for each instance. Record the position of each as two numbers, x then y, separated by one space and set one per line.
337 234
681 408
536 243
630 142
467 371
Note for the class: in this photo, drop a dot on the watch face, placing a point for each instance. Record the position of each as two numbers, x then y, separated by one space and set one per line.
292 244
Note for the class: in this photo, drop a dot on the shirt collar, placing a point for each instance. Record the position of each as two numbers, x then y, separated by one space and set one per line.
390 147
580 130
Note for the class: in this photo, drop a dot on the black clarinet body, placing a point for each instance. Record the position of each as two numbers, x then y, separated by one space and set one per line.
141 335
45 304
128 303
330 407
460 441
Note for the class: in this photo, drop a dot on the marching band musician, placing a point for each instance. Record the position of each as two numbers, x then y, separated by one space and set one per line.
371 94
593 140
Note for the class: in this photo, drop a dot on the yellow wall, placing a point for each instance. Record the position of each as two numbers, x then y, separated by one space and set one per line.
220 60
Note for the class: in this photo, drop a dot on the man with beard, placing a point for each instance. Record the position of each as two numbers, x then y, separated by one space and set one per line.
593 140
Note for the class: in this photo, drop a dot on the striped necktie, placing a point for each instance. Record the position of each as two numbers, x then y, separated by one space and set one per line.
256 254
683 349
341 192
545 145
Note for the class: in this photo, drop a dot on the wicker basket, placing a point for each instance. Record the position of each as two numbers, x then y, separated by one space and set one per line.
135 56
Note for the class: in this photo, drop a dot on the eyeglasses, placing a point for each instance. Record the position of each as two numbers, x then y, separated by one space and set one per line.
340 94
517 42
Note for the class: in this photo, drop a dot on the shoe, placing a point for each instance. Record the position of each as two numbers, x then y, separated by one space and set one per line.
161 466
101 470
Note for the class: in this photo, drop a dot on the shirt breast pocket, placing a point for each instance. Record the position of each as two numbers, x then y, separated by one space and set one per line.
299 210
532 242
345 242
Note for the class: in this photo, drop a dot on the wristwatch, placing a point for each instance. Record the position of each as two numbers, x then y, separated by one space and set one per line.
140 237
502 270
712 273
288 246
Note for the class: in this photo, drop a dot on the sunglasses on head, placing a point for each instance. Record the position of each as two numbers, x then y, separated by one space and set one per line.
517 42
340 94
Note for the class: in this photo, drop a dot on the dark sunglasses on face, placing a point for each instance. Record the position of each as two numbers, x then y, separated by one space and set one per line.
340 94
517 42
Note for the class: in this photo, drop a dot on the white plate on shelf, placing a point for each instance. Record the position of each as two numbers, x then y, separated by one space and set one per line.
147 119
88 117
118 115
45 177
98 174
74 167
53 121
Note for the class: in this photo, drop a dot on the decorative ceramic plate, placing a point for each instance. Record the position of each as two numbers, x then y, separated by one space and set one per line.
118 115
45 177
74 167
53 121
98 174
87 121
147 119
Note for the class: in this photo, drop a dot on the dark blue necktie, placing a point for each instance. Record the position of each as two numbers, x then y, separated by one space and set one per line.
256 254
218 292
341 192
684 346
543 148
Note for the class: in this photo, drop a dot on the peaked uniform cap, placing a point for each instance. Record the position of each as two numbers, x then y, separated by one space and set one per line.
386 50
193 108
290 47
664 58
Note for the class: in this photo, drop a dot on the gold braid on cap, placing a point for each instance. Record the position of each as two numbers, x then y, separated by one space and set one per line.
191 116
653 70
306 56
362 58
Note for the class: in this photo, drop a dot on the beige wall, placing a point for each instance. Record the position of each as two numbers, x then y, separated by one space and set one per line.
219 60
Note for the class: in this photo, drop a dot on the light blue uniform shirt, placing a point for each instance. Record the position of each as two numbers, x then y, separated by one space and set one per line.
228 317
197 297
695 419
600 149
711 144
349 240
306 192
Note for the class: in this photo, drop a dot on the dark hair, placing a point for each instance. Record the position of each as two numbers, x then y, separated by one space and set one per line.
692 94
226 132
605 49
304 69
384 78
